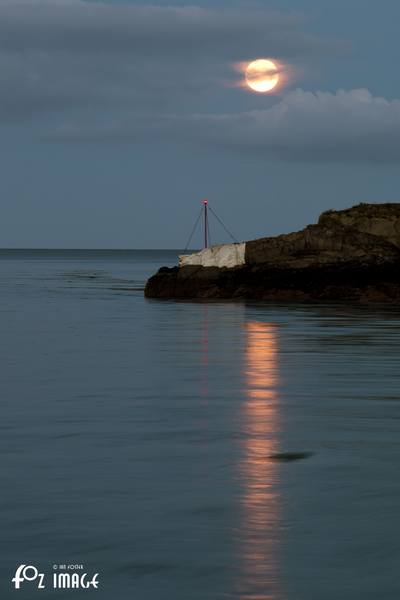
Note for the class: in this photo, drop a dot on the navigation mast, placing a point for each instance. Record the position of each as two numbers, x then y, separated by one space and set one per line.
204 213
205 203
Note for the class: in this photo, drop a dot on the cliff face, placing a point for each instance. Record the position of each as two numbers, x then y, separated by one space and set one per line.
382 220
327 243
352 255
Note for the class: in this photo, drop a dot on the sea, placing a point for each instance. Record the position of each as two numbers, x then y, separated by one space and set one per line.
169 450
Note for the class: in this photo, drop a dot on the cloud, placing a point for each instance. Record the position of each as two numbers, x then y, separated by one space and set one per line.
127 72
322 126
76 26
66 55
346 126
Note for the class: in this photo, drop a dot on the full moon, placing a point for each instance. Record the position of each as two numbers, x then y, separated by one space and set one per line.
262 75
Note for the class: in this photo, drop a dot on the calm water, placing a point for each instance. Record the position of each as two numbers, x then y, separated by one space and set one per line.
136 438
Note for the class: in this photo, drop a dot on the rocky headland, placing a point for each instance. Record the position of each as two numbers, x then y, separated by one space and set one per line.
348 255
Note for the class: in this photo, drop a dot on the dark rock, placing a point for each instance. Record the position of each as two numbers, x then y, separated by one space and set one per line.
382 220
351 255
324 244
290 456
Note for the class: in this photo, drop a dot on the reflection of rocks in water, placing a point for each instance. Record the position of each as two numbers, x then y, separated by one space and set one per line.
351 255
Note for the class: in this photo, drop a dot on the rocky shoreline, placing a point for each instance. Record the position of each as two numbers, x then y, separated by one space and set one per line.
349 255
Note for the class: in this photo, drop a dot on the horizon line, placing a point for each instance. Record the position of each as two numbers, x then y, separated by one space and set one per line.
7 249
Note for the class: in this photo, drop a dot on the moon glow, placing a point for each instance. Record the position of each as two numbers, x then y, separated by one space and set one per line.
262 75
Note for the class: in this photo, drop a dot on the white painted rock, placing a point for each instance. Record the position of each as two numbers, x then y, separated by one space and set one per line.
224 255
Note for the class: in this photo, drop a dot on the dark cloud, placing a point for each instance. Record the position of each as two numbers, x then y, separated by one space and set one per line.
78 26
140 72
57 55
348 126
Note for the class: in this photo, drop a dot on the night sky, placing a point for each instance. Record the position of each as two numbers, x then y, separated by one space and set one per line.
117 118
